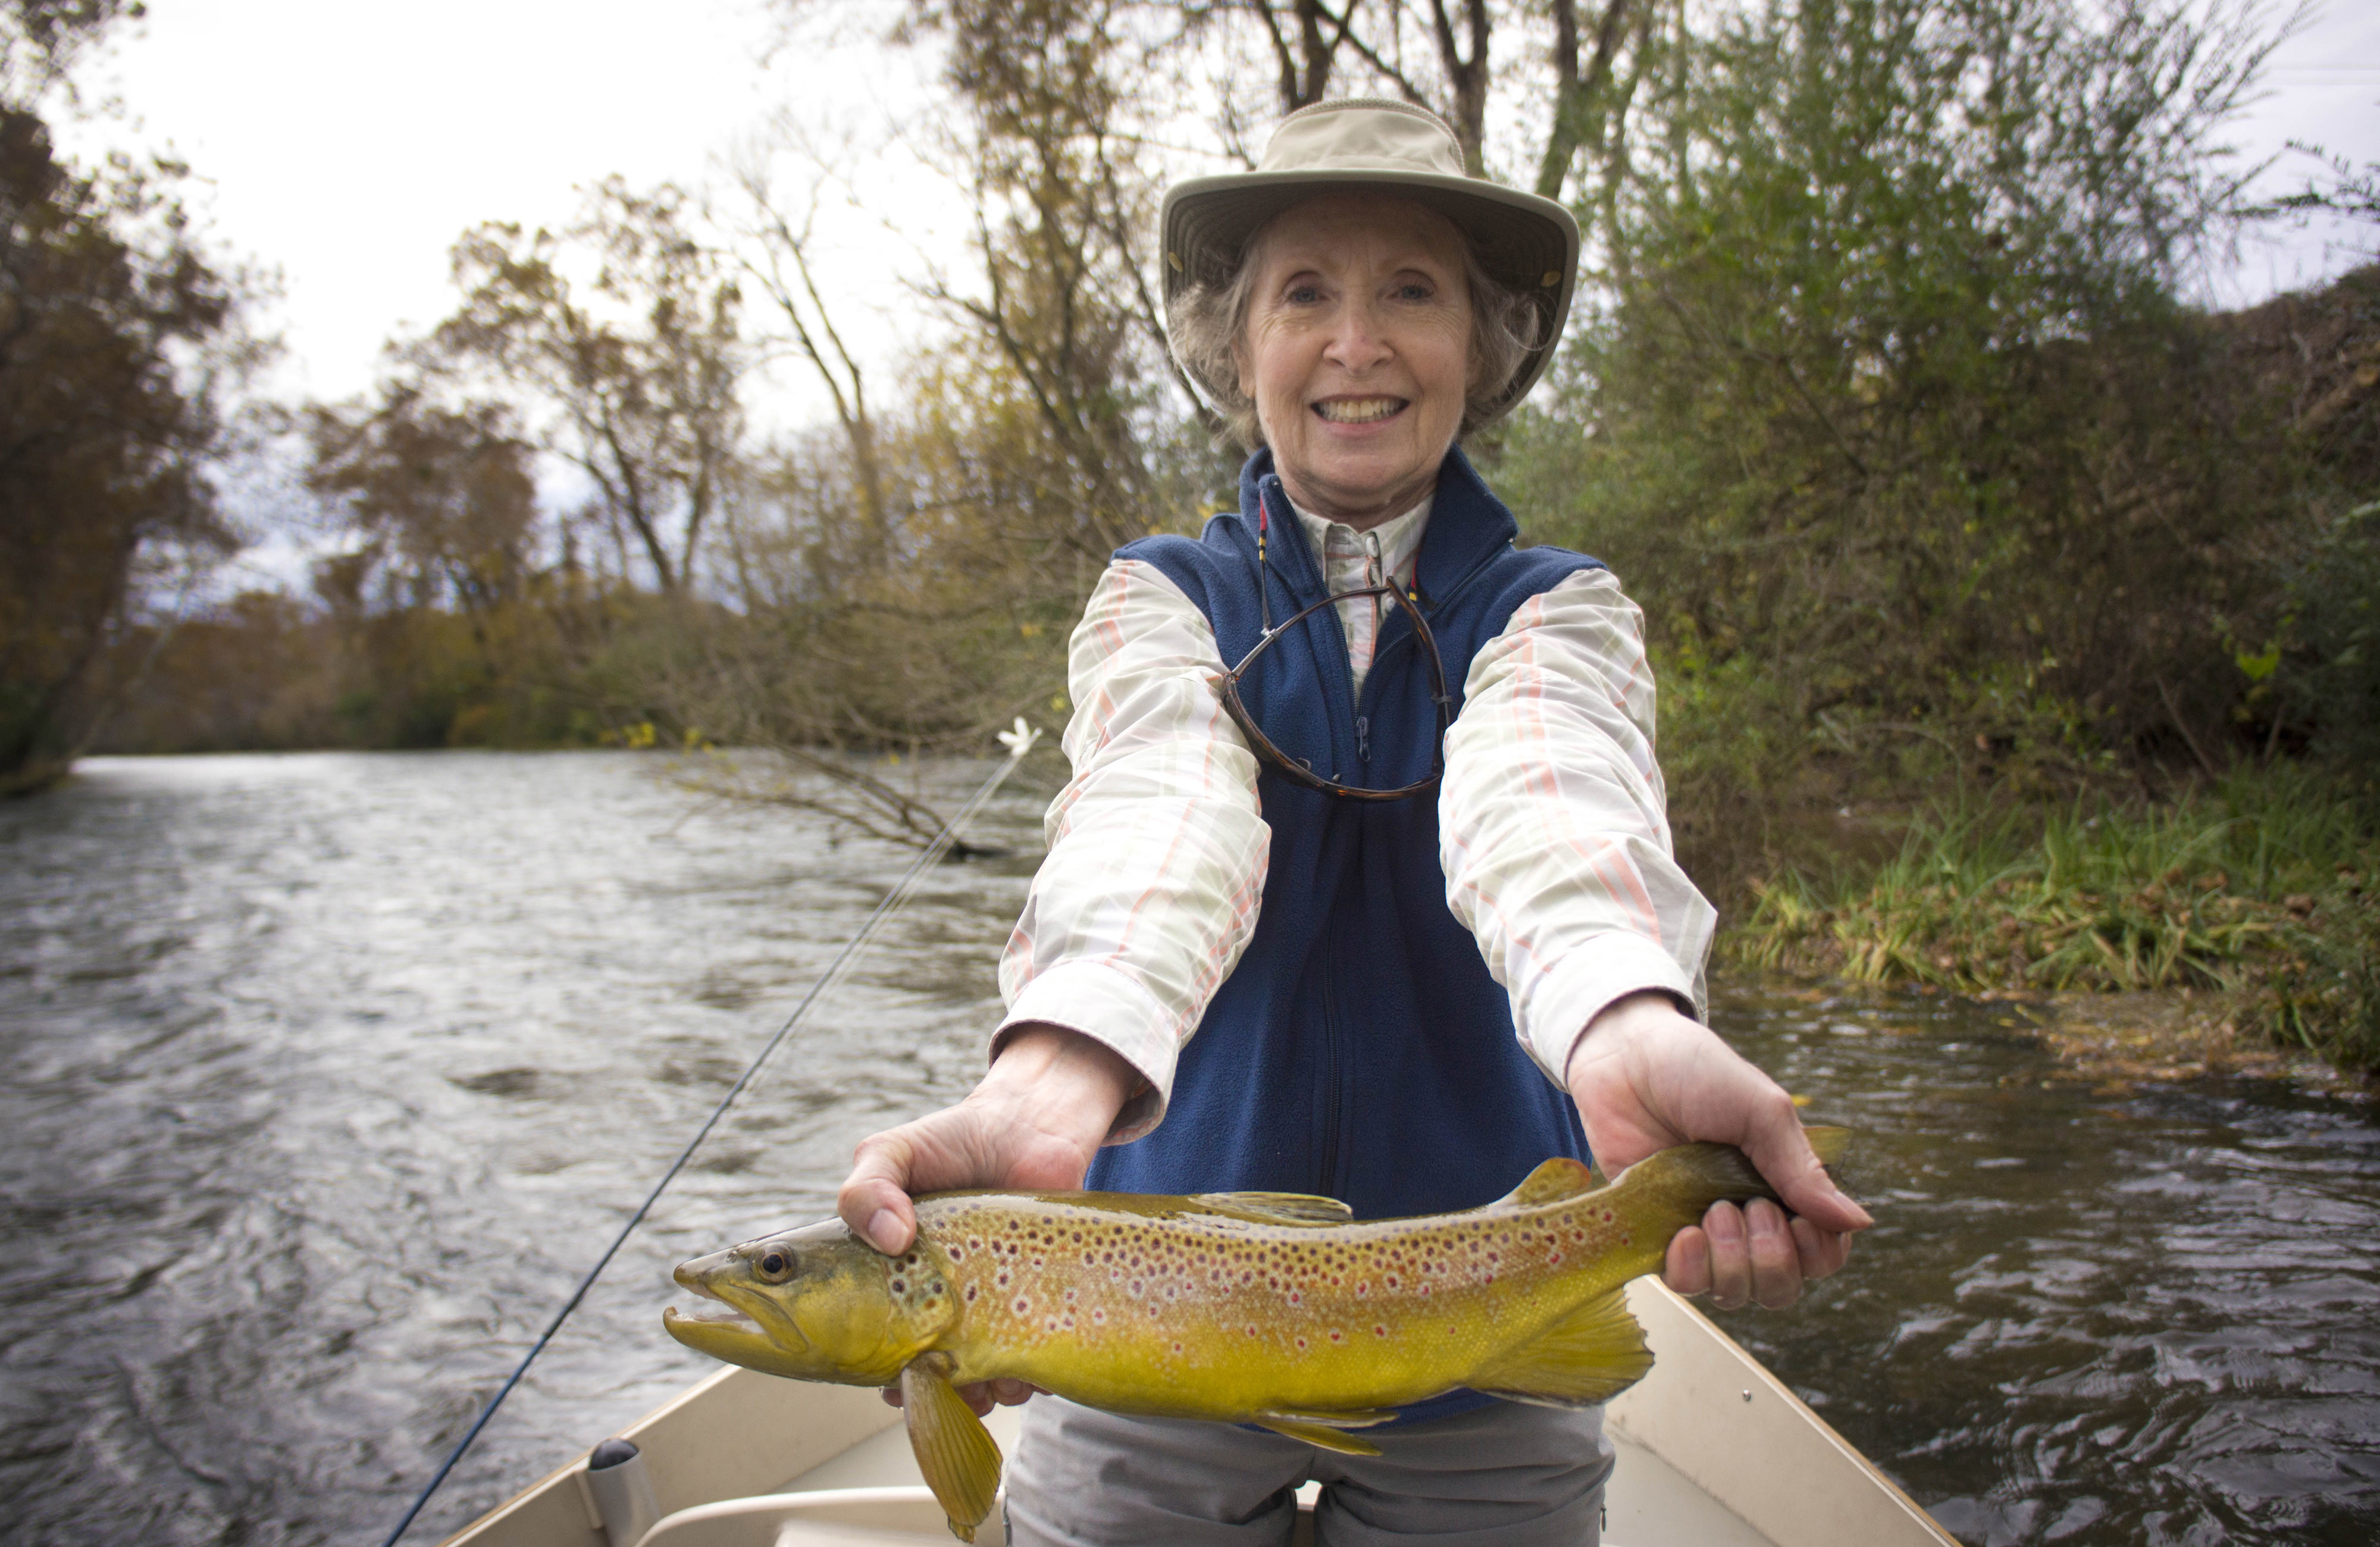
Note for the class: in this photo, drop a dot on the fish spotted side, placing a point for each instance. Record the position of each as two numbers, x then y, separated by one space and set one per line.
1271 1309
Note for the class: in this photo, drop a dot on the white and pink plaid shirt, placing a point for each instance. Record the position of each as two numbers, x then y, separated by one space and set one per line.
1552 825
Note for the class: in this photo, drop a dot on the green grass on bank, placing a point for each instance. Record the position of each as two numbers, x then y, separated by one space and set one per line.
2263 887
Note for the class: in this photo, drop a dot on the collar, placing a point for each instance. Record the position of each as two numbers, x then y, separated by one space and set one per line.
1466 527
1397 536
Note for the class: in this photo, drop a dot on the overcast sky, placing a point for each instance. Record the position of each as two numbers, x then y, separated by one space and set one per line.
347 144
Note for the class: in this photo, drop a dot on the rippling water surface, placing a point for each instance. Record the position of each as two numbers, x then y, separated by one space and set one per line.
322 1077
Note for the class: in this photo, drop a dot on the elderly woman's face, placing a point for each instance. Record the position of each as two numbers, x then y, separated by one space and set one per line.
1357 352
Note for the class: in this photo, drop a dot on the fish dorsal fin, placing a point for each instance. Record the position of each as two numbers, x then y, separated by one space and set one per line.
1588 1356
1559 1178
1275 1208
956 1454
1325 1431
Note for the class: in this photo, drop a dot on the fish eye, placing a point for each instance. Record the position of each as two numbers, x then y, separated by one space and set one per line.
775 1265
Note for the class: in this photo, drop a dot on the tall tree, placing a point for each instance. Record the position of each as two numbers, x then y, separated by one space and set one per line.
108 316
445 499
1885 395
40 41
637 371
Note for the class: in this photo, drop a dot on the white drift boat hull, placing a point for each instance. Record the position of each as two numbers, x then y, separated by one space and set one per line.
1713 1452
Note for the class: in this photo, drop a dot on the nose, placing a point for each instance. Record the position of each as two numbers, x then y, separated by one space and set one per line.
1357 342
696 1274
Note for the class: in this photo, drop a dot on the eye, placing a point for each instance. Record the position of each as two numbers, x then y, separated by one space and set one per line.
1304 294
775 1266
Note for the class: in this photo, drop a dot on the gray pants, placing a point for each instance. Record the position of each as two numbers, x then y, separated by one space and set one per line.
1502 1475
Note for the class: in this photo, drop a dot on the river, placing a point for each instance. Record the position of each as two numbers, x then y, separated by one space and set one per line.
323 1076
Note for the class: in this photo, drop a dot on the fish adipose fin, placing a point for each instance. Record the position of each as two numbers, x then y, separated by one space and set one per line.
955 1452
1325 1431
1589 1357
1276 1208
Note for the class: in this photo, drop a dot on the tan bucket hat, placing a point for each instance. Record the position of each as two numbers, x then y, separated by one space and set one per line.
1529 243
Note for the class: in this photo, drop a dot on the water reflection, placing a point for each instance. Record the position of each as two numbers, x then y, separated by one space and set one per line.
322 1078
2081 1318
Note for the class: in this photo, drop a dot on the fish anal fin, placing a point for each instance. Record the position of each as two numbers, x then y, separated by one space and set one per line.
1558 1179
1275 1208
1319 1434
956 1453
1589 1357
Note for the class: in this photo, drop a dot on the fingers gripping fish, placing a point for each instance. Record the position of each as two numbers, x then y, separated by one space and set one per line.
1270 1308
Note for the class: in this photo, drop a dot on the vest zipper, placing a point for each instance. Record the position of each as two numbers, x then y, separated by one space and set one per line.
1326 1182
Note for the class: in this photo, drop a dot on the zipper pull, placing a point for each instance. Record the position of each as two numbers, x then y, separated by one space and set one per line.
1363 738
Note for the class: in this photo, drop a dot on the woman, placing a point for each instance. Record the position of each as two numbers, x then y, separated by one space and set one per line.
1409 983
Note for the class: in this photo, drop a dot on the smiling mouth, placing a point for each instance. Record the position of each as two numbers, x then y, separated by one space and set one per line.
1359 410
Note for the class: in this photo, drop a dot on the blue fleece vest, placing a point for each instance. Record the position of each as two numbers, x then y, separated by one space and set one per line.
1359 1050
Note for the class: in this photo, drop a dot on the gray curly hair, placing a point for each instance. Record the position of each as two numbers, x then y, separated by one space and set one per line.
1207 318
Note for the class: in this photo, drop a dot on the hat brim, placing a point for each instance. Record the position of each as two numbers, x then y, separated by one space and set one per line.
1528 243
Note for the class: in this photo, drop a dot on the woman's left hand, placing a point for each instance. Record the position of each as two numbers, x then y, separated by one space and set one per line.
1647 1078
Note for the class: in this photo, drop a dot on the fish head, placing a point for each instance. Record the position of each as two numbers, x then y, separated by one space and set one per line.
813 1304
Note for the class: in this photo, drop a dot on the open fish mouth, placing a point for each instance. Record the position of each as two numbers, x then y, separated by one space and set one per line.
713 1312
729 1312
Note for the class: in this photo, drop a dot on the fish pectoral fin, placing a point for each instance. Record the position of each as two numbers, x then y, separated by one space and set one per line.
1324 1430
955 1452
1587 1357
1558 1179
1276 1208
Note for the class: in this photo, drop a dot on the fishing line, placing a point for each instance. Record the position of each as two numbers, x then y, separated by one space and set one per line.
1019 742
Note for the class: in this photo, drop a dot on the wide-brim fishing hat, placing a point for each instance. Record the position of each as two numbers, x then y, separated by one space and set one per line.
1361 144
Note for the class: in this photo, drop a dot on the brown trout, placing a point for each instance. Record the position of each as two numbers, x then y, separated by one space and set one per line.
1271 1309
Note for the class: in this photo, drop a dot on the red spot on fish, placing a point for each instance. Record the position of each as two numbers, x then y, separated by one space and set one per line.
1379 1331
1337 1336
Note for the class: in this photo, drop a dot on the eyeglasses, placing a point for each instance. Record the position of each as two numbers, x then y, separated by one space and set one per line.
1293 769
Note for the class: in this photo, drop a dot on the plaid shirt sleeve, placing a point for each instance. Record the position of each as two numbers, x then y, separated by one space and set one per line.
1553 829
1156 849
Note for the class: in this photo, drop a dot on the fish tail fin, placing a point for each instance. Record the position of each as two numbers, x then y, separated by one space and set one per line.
1590 1356
955 1454
1689 1178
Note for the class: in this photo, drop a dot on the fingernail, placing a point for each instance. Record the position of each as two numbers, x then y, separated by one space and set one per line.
1725 1224
884 1229
1865 1218
1767 1222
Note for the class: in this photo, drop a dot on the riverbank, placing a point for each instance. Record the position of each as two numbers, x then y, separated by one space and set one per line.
2112 1044
2241 917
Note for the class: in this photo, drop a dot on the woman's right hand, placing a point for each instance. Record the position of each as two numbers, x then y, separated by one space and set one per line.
1033 1124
